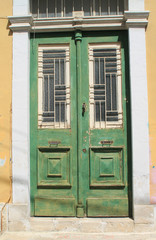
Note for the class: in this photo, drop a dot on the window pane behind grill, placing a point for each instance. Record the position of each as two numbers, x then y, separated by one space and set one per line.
64 8
42 8
113 7
58 7
68 8
51 8
104 7
86 7
105 85
97 8
54 88
45 94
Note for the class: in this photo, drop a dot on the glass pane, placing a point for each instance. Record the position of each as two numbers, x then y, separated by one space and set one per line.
62 112
45 93
108 92
51 8
58 2
56 72
42 8
102 71
51 93
104 7
97 8
68 8
62 71
97 111
57 112
113 7
96 70
114 97
54 94
86 7
77 5
121 7
105 78
102 111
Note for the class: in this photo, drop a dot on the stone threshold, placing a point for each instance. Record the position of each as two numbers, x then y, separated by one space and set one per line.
77 236
16 218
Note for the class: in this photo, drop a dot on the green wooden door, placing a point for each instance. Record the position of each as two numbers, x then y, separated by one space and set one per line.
78 124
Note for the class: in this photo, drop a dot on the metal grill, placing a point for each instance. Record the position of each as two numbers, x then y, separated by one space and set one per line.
66 8
105 88
55 91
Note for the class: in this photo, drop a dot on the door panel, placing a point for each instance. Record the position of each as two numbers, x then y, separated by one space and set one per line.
104 136
53 131
79 125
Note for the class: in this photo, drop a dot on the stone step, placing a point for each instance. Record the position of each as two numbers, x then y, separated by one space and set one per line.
75 225
76 236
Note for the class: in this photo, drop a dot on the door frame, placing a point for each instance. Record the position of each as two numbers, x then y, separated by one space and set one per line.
74 40
139 110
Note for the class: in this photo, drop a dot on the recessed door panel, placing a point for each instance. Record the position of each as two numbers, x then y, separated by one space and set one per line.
54 168
106 168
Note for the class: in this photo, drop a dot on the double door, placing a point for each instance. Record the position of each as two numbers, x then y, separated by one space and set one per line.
78 125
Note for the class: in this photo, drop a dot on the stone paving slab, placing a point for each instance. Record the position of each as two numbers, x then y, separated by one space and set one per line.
76 236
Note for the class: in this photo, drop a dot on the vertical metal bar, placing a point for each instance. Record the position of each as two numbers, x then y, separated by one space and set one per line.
108 7
61 8
64 9
100 7
93 7
47 8
90 4
38 12
81 5
117 10
55 8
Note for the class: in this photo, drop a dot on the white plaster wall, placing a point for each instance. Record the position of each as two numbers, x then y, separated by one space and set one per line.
136 5
20 109
20 117
20 7
139 115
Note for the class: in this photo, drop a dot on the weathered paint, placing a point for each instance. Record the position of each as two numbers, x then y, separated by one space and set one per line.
2 162
151 74
5 100
79 179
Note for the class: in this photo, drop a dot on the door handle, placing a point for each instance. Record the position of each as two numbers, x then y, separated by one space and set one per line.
83 108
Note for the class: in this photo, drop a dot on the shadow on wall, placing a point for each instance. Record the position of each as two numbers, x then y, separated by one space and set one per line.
8 28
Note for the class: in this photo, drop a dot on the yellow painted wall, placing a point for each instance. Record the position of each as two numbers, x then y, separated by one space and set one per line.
151 79
5 99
